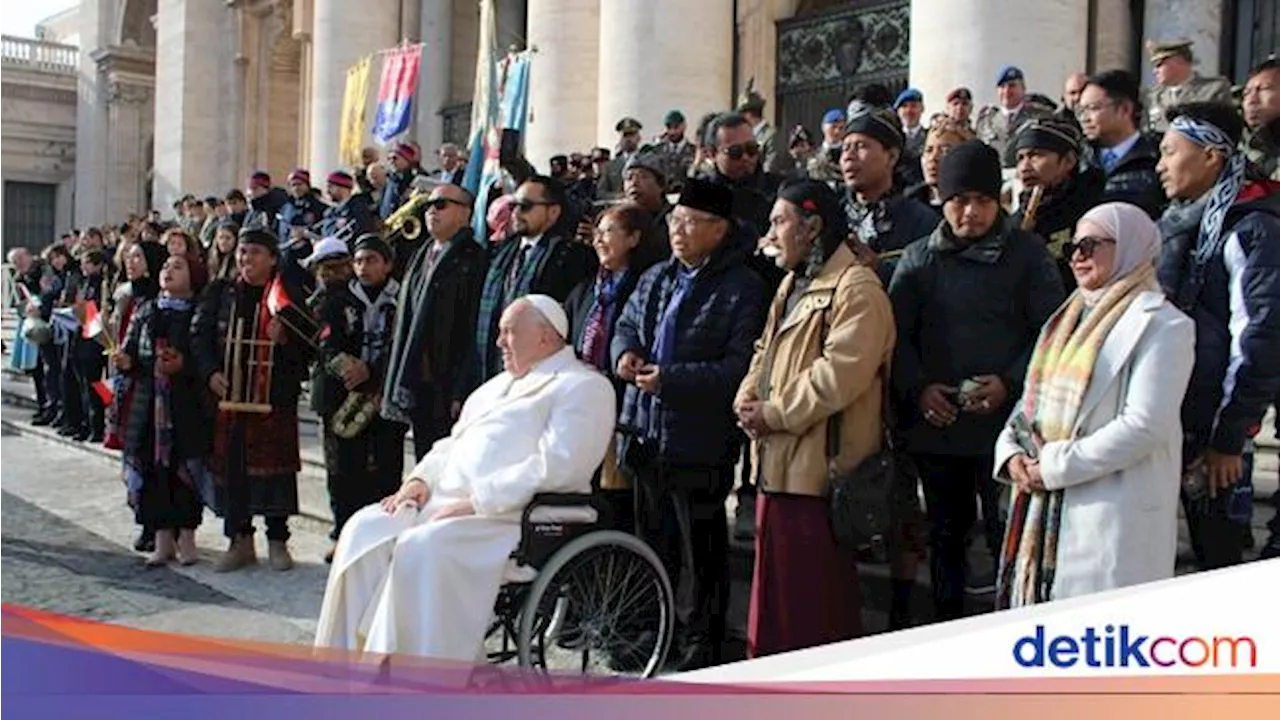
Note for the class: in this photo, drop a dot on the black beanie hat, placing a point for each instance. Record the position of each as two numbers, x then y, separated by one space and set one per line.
374 242
1057 135
878 123
971 166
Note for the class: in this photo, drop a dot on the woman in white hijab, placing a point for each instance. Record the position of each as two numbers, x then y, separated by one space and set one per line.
1093 449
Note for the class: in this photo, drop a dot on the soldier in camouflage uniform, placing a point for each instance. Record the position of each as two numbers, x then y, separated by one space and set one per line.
772 158
1177 83
674 150
996 125
1262 118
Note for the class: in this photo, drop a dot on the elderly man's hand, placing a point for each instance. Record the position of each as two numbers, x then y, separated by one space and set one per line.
457 508
649 379
413 491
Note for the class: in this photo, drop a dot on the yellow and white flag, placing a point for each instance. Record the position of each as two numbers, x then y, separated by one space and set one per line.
354 101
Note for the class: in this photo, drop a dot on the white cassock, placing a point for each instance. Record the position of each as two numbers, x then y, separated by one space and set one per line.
428 588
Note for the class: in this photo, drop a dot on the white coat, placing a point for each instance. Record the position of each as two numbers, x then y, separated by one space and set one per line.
1122 469
412 585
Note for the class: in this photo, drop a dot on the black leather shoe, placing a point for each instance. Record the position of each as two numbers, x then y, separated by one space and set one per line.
146 541
69 430
44 417
82 435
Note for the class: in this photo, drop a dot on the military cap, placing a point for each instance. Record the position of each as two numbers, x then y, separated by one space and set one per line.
960 93
628 125
833 116
673 118
908 95
1163 50
801 134
1008 74
750 100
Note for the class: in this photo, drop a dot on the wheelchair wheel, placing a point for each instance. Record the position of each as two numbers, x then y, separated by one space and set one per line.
602 605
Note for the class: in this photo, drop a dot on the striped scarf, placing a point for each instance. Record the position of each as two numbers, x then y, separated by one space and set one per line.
1057 378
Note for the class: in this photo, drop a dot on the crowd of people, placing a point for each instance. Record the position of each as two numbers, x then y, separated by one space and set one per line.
1059 360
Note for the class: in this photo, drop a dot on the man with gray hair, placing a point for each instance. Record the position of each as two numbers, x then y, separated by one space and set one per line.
425 565
452 169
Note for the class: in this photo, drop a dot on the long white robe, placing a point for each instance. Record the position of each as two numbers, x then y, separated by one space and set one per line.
428 588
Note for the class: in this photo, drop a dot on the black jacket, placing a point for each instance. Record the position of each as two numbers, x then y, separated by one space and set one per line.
190 411
265 211
1060 209
209 328
1253 229
904 221
343 313
356 210
716 329
309 209
1134 179
963 311
436 320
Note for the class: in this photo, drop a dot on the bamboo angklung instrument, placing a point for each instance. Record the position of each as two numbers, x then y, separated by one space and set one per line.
1033 204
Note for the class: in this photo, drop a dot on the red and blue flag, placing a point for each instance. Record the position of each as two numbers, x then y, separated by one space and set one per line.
395 93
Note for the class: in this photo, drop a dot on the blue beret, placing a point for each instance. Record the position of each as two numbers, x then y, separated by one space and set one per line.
1008 74
908 95
833 116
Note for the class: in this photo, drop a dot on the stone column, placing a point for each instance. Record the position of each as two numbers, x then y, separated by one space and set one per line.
1113 38
658 55
187 114
91 115
964 42
563 78
131 111
343 32
436 33
1199 21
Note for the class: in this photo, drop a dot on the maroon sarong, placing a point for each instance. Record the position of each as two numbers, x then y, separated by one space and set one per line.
804 591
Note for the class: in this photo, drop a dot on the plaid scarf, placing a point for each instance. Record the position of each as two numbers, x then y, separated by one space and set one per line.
1057 378
595 335
492 300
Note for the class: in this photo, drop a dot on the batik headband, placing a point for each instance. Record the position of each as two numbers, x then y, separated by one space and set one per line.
1225 190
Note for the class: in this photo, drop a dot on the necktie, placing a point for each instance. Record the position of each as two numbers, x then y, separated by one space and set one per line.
432 255
1109 160
513 274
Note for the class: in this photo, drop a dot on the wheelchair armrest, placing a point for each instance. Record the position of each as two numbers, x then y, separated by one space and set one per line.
557 500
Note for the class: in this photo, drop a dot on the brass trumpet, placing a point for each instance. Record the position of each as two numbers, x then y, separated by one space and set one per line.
406 221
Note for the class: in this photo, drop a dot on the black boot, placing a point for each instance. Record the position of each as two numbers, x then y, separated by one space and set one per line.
44 417
83 434
146 541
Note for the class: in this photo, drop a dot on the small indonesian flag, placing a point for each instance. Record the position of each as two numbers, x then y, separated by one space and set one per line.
104 392
277 297
93 325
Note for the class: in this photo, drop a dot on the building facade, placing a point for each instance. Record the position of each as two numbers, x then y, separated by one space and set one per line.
176 96
38 106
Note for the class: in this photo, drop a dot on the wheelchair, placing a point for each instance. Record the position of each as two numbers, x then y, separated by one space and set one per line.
580 599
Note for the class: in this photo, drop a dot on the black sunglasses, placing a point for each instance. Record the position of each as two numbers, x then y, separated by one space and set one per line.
741 150
527 205
441 203
1085 246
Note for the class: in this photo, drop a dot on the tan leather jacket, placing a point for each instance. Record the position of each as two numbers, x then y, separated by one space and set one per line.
808 381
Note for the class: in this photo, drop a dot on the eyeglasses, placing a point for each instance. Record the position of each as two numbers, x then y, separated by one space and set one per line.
1085 246
1093 108
686 221
527 205
441 203
741 150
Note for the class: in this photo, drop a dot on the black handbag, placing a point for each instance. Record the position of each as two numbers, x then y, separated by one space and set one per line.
862 498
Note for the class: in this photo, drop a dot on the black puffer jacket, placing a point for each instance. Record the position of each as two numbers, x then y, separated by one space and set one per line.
1134 179
1253 251
716 329
963 311
1060 210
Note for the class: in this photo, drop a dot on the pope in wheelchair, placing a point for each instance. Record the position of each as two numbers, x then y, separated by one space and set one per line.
420 572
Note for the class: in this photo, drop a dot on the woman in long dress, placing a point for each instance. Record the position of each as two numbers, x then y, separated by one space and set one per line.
166 437
1094 447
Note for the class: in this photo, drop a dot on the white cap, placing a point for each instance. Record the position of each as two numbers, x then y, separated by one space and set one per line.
551 311
330 248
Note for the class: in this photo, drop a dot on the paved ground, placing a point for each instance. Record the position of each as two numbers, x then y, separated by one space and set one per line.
67 539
